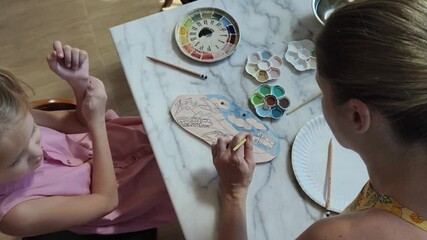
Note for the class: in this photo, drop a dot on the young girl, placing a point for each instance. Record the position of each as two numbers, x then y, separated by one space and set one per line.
85 170
372 70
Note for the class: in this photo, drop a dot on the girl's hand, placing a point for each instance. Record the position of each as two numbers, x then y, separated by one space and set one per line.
94 103
235 169
71 64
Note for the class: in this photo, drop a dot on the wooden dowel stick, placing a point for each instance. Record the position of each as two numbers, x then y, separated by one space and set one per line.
178 68
304 103
329 178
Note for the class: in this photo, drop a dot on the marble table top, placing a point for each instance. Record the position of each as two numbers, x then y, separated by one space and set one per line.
276 206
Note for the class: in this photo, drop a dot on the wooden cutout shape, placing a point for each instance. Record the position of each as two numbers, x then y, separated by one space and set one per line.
209 117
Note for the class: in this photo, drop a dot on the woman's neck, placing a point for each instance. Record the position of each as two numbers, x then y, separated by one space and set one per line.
400 172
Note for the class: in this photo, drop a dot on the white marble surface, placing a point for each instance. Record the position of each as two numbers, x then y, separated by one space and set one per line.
277 208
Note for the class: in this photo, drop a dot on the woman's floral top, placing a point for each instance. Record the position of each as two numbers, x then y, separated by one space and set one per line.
369 198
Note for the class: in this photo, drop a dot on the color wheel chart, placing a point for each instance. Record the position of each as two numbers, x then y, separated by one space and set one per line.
207 34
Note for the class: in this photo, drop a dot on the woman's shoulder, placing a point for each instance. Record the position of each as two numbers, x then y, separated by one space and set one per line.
367 224
337 227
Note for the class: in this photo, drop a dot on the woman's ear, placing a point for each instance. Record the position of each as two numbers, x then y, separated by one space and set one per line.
359 114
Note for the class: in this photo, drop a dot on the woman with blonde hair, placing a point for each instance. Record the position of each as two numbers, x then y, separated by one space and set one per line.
372 70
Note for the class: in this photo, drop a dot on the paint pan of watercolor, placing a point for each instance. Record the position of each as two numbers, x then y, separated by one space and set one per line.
270 101
263 65
207 34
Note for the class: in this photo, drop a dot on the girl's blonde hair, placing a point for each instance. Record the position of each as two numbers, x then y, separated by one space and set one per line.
14 104
376 51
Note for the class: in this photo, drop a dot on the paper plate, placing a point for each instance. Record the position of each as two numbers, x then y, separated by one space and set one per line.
309 158
207 34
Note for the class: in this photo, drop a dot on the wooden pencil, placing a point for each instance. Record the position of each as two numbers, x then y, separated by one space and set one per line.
329 179
178 68
304 103
239 145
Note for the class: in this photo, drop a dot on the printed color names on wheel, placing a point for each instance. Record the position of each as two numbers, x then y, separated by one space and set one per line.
207 34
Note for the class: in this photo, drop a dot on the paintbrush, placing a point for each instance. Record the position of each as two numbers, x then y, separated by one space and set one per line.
239 145
178 68
304 103
329 179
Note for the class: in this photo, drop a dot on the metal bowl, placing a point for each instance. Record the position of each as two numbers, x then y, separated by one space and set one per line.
322 9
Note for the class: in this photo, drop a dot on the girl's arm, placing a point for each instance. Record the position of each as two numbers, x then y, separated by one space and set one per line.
57 213
65 121
72 65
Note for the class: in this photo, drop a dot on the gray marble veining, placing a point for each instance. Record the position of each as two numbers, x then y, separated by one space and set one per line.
277 208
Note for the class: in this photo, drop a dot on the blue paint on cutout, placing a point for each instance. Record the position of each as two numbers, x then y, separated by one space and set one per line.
271 142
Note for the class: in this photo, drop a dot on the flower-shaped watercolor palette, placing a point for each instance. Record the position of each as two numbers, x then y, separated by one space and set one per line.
264 65
301 55
270 101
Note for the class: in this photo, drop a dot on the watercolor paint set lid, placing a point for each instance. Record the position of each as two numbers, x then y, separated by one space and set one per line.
207 34
270 101
263 65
